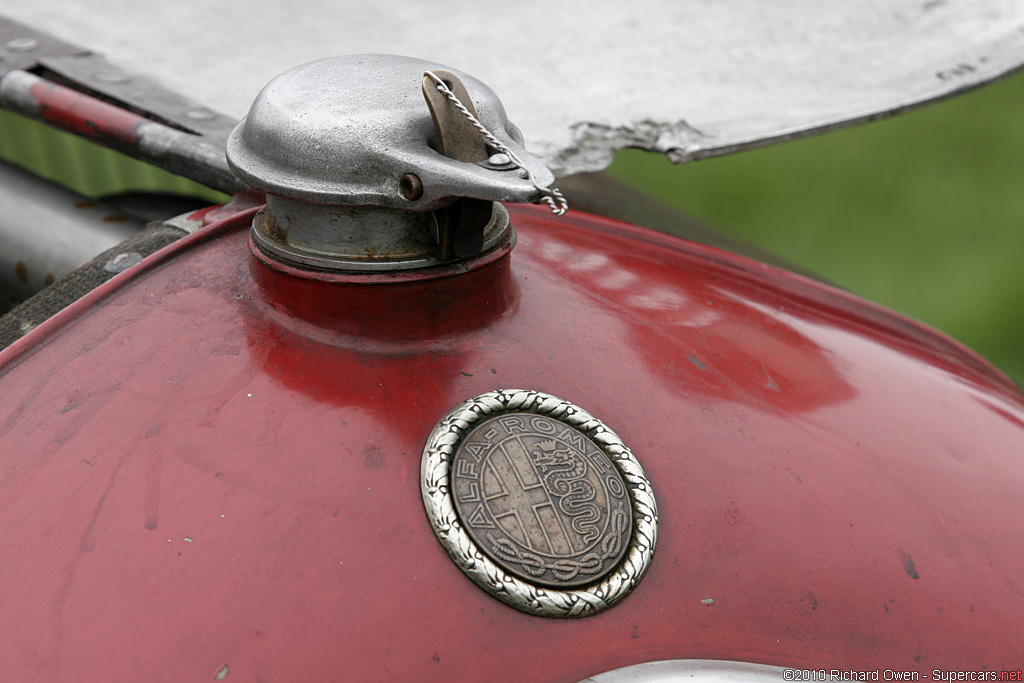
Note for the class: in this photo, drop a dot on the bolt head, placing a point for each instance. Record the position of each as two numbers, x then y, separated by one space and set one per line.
22 44
411 187
111 77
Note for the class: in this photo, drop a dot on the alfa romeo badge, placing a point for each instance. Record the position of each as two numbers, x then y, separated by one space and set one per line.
539 503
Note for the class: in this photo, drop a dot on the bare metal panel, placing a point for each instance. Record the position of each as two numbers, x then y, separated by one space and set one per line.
47 231
691 78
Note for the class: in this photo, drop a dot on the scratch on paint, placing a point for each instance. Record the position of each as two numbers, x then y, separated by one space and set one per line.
154 474
86 544
88 541
222 674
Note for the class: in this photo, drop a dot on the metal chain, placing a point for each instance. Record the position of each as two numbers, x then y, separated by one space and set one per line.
552 197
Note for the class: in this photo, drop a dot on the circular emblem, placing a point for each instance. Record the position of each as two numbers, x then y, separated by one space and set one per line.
540 498
539 503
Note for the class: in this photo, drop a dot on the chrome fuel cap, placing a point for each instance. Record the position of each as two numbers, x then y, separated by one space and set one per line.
381 162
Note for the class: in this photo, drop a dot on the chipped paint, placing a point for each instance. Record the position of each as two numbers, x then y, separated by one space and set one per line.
93 119
594 144
698 79
693 359
908 564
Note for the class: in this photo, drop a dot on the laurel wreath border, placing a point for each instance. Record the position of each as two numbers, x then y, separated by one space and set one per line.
540 600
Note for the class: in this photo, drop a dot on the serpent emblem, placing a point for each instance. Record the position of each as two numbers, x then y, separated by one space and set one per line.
535 493
564 477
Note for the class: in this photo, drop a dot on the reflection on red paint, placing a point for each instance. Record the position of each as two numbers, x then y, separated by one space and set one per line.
207 461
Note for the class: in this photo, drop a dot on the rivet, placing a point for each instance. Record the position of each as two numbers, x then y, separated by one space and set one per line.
111 77
499 160
22 44
411 187
122 262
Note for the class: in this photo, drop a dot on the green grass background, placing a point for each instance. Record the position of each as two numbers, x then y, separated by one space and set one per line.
84 167
923 212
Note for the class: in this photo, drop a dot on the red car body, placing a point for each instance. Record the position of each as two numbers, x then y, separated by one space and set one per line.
209 467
